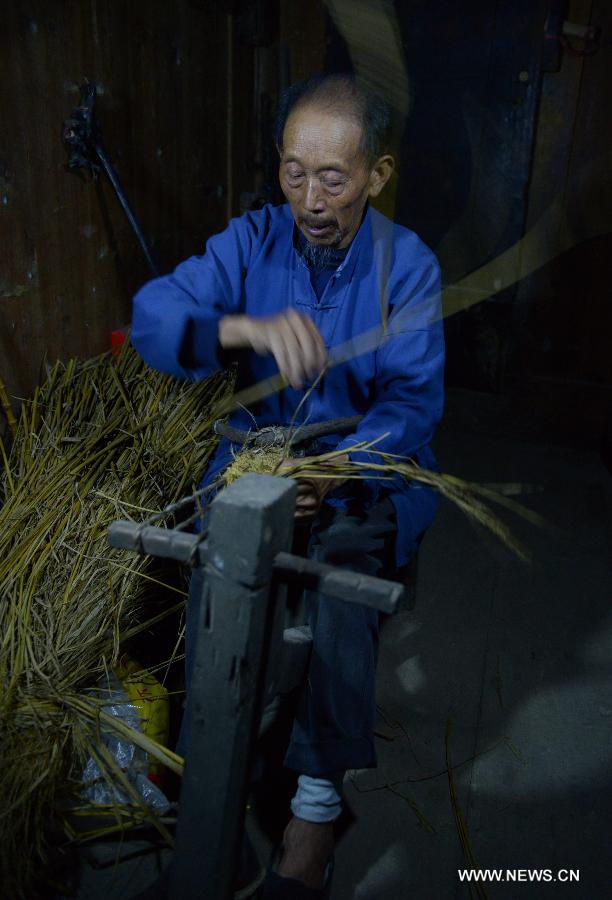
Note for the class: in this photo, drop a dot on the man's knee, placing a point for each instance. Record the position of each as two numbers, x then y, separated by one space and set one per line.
359 539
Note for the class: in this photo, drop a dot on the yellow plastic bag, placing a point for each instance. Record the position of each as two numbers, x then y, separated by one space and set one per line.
151 700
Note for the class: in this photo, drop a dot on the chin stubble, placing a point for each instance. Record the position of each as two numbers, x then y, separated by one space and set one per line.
319 255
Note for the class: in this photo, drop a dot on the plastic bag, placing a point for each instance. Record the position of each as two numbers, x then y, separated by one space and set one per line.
132 760
150 698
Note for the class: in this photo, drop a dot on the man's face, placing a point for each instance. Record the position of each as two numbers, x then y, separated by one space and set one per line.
324 175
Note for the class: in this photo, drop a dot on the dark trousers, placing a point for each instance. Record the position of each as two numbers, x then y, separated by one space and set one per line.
334 725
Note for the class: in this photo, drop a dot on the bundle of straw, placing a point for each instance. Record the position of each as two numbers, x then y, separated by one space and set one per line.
469 496
103 439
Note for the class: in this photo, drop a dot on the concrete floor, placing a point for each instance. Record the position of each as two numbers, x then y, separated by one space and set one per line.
516 657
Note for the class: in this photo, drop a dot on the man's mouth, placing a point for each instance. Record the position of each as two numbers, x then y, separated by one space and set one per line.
318 229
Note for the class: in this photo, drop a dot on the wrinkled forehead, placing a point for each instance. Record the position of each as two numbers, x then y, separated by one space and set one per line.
313 130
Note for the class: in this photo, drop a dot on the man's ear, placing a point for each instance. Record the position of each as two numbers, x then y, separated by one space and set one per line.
380 174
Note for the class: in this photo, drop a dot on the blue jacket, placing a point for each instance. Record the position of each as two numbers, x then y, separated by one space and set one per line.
381 309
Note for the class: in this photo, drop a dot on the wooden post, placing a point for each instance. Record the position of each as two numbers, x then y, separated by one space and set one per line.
250 522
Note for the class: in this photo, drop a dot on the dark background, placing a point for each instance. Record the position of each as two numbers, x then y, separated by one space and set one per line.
504 127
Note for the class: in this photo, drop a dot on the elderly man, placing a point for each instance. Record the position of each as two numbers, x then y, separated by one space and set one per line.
280 288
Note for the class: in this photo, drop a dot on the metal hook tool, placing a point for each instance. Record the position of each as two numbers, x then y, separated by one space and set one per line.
83 139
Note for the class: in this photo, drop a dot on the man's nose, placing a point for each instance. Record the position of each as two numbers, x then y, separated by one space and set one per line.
313 201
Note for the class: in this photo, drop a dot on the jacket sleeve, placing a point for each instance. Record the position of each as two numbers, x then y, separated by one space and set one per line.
409 383
175 319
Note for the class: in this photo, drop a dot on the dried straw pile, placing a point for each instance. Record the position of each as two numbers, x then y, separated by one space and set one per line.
102 439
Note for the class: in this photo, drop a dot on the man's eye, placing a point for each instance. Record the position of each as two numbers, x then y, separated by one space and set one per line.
332 184
294 177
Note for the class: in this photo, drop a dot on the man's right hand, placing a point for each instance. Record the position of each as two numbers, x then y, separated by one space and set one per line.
292 339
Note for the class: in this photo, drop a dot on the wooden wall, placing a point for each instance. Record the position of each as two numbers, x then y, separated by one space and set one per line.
186 92
69 262
564 310
304 36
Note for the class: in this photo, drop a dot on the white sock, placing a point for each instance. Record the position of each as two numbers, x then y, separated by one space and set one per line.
318 799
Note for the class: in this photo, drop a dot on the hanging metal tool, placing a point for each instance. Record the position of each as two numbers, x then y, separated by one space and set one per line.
83 139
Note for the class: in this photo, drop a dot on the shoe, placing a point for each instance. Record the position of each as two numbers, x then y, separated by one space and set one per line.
277 887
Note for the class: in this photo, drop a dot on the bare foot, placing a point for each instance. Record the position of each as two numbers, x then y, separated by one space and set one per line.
307 849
